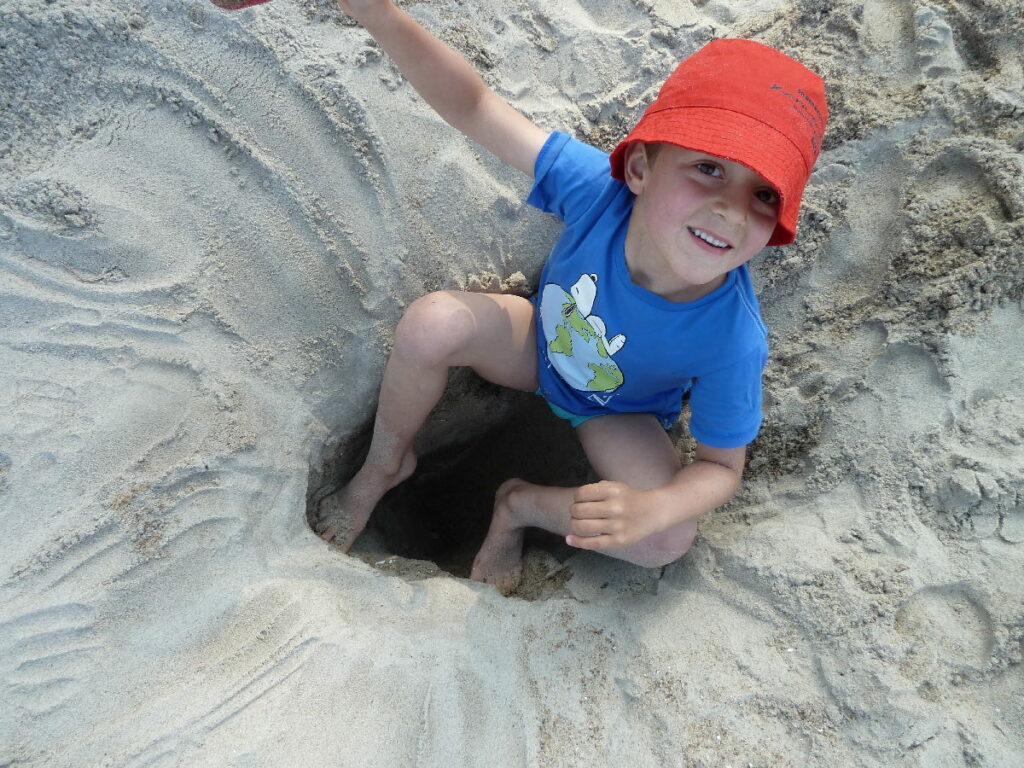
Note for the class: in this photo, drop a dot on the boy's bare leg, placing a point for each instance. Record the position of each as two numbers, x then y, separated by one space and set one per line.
493 334
628 448
517 506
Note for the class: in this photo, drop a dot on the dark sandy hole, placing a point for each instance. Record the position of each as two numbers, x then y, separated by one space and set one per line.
436 521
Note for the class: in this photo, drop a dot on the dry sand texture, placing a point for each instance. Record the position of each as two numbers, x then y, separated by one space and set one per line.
209 225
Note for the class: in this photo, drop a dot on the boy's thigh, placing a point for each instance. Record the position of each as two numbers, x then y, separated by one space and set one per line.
630 448
497 336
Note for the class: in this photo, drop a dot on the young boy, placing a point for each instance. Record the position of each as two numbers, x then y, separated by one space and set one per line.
646 296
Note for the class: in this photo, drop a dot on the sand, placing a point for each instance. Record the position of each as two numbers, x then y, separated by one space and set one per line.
209 225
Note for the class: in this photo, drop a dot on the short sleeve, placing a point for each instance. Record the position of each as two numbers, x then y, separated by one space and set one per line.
568 177
725 405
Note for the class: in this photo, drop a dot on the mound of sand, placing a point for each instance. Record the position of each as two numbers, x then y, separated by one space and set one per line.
209 225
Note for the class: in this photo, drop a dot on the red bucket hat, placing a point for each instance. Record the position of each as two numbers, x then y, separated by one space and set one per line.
745 102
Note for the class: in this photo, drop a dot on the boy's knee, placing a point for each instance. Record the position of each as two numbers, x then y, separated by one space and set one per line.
665 548
433 328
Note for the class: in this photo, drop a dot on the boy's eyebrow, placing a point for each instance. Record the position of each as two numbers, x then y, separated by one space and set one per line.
704 156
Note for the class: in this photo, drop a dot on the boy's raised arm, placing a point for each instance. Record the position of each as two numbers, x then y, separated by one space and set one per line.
448 83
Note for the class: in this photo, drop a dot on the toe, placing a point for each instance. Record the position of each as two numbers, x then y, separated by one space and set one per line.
513 583
352 536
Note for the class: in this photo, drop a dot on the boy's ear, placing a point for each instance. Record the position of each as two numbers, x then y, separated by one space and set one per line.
636 166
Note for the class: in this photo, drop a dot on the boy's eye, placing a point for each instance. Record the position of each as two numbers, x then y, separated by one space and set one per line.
769 196
709 169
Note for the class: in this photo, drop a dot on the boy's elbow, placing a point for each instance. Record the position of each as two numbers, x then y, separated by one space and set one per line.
733 459
470 106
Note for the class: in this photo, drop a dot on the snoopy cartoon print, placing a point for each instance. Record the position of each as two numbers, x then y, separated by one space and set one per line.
578 346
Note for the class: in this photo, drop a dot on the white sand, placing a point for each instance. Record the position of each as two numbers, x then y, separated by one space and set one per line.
209 225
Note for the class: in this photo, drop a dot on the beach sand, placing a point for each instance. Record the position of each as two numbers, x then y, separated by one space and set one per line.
210 223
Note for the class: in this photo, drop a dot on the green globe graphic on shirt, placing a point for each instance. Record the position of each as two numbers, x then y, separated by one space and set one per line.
576 342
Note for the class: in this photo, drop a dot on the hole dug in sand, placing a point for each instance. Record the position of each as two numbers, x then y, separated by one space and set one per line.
435 521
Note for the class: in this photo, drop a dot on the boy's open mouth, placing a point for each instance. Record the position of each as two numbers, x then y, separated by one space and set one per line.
711 240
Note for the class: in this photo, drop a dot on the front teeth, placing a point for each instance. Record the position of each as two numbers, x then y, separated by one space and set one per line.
709 239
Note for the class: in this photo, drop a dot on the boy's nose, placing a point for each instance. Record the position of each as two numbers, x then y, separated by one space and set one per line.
731 206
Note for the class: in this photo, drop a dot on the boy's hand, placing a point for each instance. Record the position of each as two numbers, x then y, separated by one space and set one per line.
608 515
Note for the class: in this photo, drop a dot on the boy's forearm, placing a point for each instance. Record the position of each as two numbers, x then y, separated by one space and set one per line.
609 514
444 79
697 488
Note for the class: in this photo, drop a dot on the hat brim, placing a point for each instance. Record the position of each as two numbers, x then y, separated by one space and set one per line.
733 136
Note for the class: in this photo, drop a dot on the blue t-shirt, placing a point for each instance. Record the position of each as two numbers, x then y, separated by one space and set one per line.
607 345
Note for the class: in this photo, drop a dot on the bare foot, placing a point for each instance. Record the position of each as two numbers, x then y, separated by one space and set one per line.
343 515
500 559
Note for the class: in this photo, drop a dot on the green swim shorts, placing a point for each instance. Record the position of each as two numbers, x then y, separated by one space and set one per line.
573 418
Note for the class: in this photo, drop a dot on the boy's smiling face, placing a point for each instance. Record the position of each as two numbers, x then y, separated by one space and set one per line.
696 217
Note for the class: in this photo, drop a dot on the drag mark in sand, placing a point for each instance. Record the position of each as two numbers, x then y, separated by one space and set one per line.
44 653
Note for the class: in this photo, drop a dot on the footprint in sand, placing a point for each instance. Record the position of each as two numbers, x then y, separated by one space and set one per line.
889 27
949 632
935 43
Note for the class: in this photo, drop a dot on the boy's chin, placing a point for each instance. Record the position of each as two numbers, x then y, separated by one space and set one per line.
713 274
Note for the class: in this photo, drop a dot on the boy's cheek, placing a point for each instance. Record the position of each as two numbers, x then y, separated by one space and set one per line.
759 239
766 223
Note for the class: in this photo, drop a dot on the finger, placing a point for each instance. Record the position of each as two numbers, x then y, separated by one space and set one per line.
588 527
327 534
592 492
588 510
589 542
